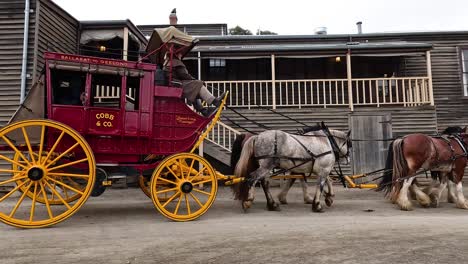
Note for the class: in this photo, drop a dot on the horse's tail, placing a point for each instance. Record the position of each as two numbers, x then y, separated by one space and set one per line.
244 166
392 185
385 183
236 150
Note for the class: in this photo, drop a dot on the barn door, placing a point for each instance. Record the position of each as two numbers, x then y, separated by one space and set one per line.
370 155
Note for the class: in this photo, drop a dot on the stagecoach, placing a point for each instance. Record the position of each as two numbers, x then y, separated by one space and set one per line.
89 116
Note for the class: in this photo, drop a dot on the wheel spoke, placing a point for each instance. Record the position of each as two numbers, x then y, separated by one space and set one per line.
13 180
46 201
167 190
200 191
57 194
52 194
11 171
13 190
68 164
175 175
66 186
15 149
63 154
166 180
85 176
187 204
41 144
53 147
178 204
191 167
20 200
202 182
196 200
12 161
181 166
198 174
26 138
33 205
170 199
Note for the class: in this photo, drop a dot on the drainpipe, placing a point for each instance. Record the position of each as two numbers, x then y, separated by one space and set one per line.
24 65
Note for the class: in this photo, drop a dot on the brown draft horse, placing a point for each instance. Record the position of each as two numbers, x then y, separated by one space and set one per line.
415 153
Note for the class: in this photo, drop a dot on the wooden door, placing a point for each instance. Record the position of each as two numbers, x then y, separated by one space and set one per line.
370 155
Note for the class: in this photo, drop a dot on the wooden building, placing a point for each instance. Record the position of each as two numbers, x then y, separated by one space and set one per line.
378 85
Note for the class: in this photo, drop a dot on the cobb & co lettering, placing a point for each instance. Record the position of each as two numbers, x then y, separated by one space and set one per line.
186 120
105 120
93 60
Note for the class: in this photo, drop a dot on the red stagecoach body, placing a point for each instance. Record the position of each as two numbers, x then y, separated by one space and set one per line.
159 123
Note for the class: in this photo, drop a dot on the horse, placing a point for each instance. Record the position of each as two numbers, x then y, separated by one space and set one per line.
313 152
235 156
414 153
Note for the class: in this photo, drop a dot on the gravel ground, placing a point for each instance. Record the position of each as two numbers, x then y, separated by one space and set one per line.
122 226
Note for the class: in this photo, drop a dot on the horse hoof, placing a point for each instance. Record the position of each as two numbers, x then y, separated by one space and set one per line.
283 201
451 199
246 205
462 205
307 201
329 201
273 207
434 200
405 205
317 208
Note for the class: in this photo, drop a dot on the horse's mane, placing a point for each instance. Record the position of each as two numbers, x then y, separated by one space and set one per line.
308 129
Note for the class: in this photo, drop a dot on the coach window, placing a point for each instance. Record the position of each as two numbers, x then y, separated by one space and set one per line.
67 87
106 89
464 61
133 94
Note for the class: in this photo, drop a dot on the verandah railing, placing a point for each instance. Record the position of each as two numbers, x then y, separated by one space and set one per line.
404 91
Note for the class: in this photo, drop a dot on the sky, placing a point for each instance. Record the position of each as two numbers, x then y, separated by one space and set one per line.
286 17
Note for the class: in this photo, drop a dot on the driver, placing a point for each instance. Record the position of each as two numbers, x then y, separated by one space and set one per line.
193 89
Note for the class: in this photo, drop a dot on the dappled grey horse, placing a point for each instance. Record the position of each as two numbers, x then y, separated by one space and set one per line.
312 153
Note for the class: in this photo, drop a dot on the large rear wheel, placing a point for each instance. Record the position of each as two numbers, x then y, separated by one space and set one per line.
190 184
54 171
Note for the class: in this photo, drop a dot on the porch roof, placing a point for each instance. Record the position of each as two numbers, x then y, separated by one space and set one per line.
322 47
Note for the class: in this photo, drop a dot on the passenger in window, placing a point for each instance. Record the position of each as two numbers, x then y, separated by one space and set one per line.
193 89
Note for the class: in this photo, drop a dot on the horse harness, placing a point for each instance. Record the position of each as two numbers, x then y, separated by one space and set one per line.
335 150
460 142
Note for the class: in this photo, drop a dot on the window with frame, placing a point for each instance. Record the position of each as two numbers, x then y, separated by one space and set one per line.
67 87
464 61
106 89
132 98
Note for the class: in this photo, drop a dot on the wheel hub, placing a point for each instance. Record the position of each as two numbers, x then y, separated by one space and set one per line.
35 173
186 187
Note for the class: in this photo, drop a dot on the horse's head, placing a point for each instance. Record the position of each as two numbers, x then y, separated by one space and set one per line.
454 130
343 140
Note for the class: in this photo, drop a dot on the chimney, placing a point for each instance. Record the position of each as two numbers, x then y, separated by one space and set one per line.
173 18
359 27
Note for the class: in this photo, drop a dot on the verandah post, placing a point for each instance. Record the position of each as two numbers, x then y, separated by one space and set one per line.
273 82
429 76
350 82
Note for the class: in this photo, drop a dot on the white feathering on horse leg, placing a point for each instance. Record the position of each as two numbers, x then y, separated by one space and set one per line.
461 202
403 202
451 197
422 198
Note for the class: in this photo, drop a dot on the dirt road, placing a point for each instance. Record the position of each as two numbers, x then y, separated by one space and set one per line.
122 226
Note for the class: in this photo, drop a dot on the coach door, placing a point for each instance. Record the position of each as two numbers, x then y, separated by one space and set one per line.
105 104
370 155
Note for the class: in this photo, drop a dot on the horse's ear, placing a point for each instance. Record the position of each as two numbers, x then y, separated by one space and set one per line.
323 124
464 129
349 133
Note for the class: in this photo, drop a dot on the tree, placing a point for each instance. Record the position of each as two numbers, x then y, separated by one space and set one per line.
266 32
239 31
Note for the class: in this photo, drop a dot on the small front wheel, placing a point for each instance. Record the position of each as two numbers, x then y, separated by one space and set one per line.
188 184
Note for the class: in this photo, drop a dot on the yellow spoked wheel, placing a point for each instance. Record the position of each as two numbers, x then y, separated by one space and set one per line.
67 195
190 183
144 184
51 165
